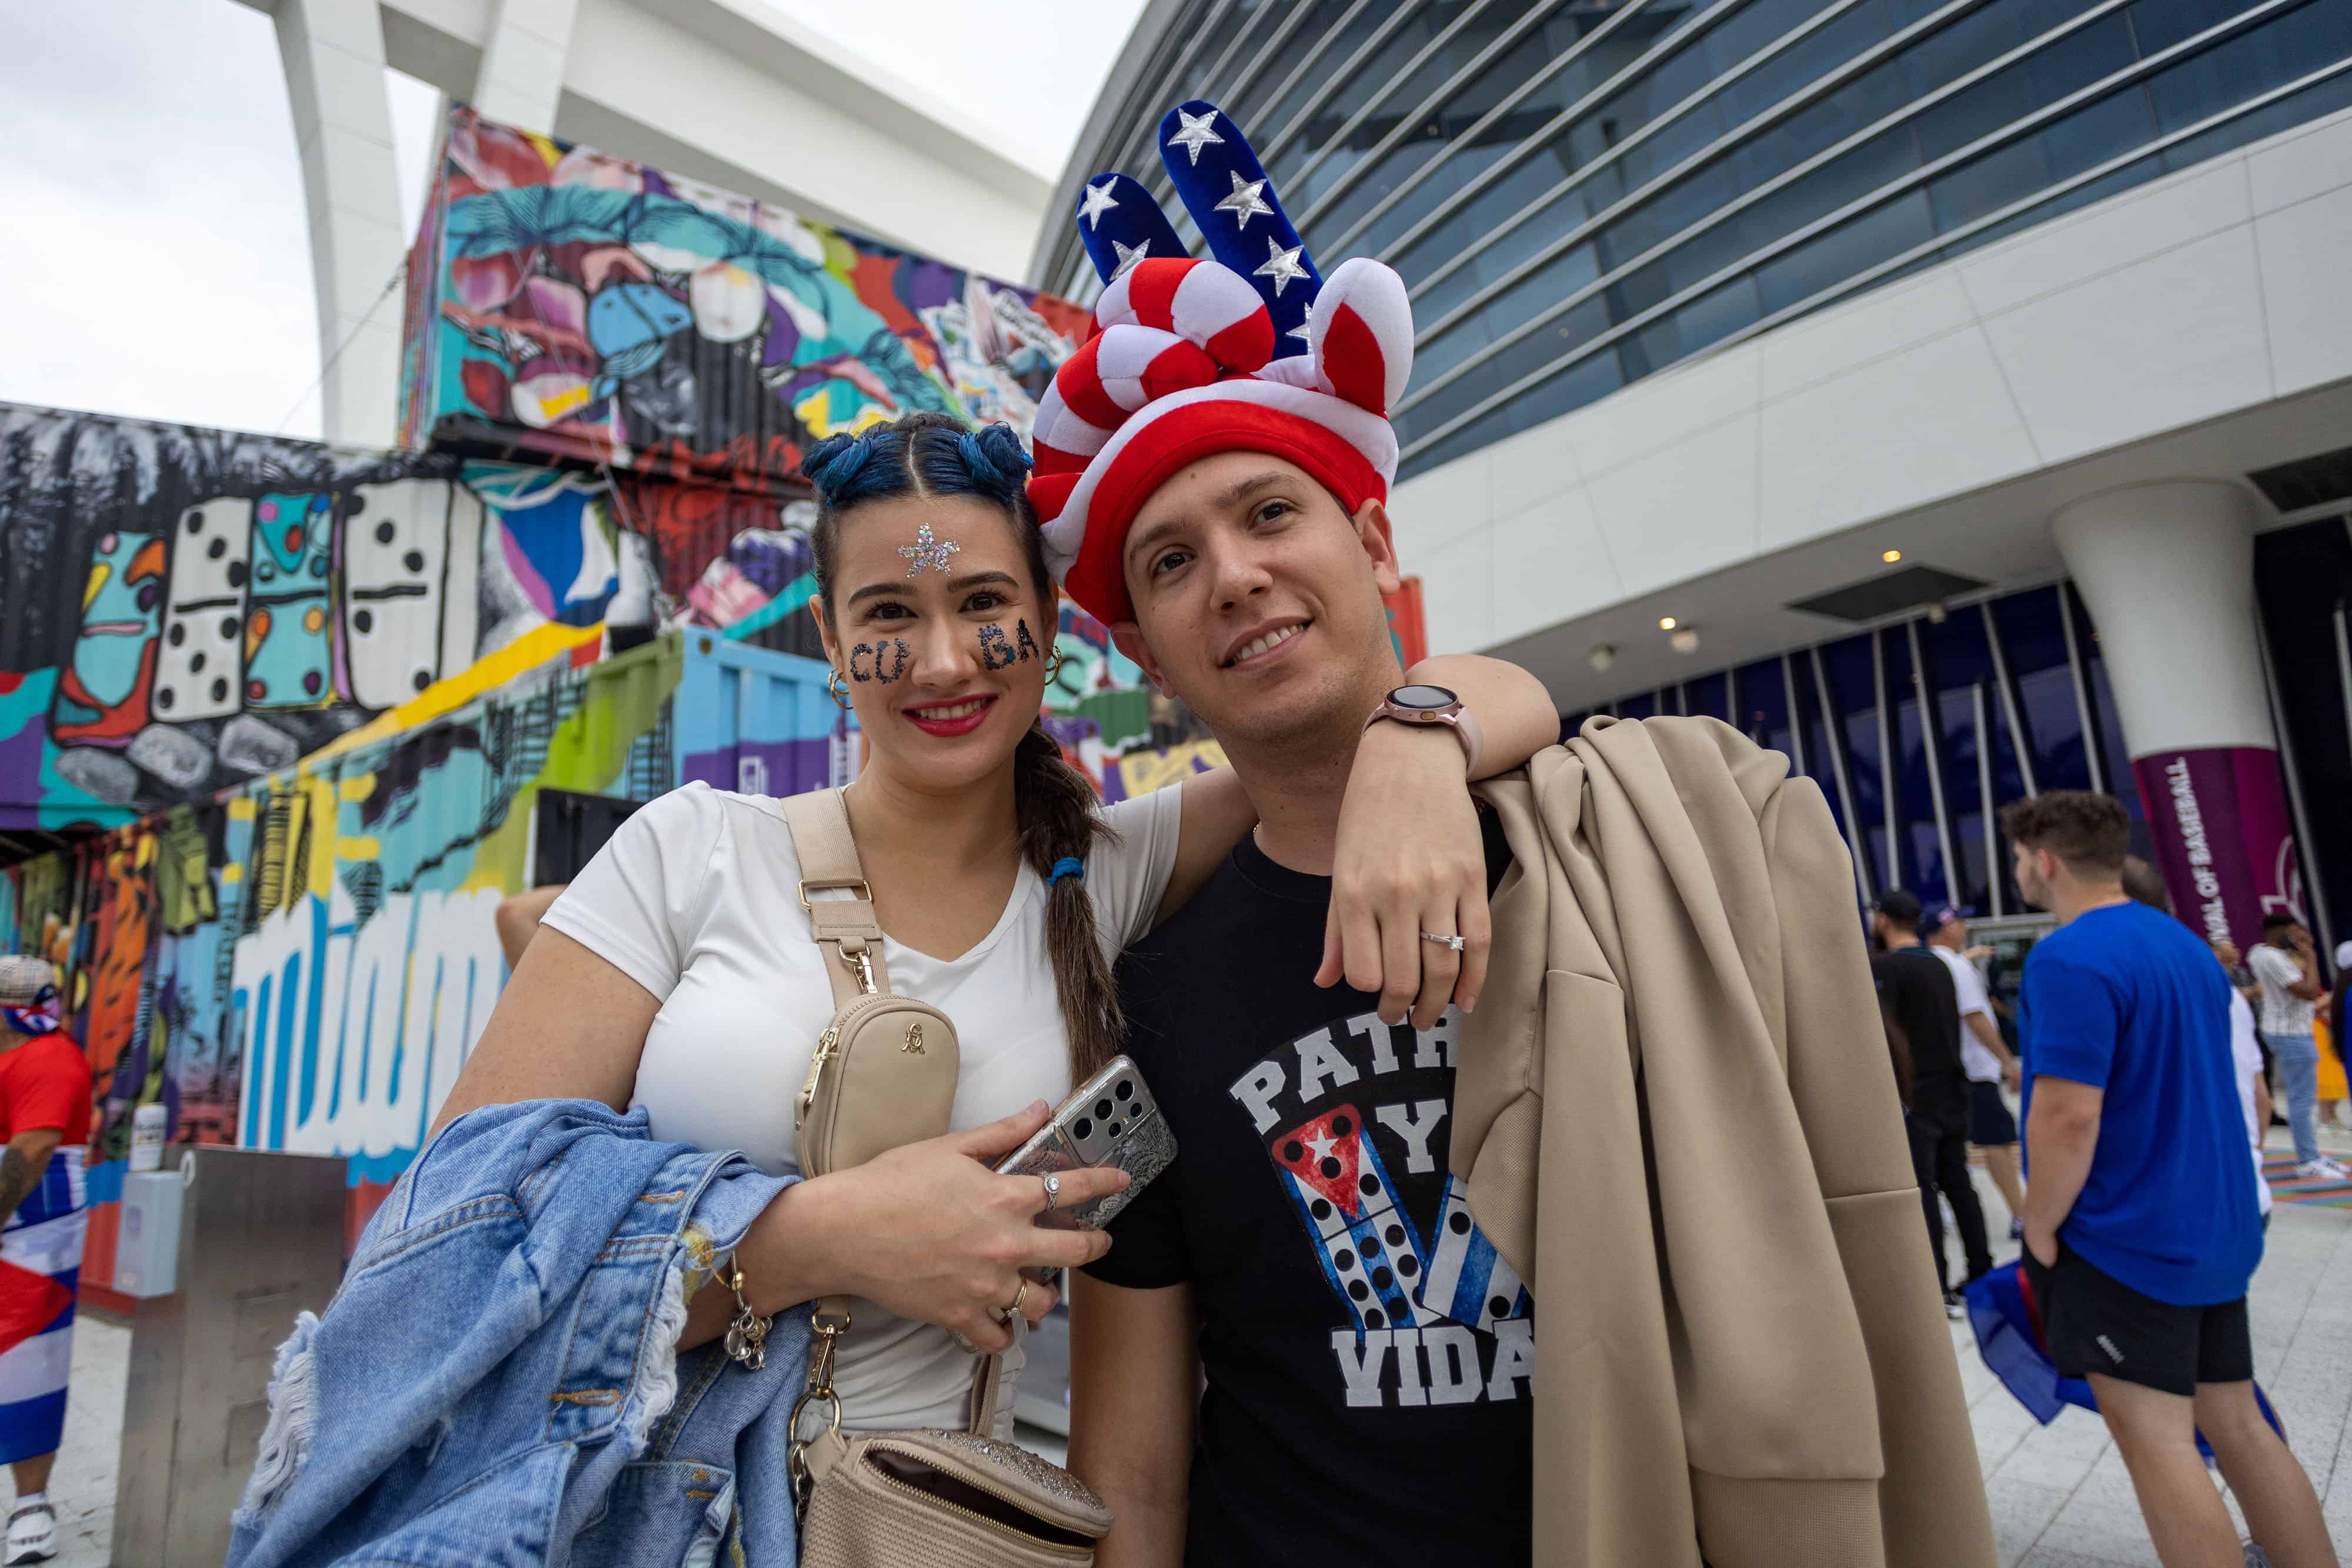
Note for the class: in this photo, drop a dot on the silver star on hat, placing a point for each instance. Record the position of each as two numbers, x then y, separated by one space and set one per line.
1247 202
1281 264
1098 201
1199 131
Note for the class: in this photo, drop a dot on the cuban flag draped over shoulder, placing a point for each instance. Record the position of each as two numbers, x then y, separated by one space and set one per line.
40 1264
1252 349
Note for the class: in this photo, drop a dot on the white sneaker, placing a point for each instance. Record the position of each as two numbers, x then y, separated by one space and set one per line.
32 1534
2322 1169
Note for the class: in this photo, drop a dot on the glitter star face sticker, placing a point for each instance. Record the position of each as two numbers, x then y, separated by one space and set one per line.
1199 131
1127 257
1281 264
927 552
1098 201
1247 201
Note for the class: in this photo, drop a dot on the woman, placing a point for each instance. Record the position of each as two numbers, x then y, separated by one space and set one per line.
678 971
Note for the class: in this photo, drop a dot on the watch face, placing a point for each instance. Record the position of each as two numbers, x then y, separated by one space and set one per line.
1422 696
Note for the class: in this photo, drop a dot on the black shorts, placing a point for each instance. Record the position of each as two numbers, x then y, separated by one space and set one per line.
1989 1122
2096 1323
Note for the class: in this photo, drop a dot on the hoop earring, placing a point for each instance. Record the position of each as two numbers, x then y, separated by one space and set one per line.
838 688
1054 662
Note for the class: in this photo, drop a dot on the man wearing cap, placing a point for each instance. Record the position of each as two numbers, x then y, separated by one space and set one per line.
1986 1057
1314 1326
1918 993
44 1116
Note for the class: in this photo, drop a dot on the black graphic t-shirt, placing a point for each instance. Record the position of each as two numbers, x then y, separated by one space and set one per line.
1368 1356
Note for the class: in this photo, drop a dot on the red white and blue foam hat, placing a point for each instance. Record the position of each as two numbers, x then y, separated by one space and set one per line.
1194 357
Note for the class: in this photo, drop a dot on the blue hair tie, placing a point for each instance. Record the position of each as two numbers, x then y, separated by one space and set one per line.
1068 865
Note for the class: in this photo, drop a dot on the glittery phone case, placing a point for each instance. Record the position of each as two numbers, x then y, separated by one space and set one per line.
1110 1120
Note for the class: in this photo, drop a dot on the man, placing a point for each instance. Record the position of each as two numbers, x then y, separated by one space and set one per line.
1307 1285
1918 992
2288 971
45 1115
2140 1217
1985 1057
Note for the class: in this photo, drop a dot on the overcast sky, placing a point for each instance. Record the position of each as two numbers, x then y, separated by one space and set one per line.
157 257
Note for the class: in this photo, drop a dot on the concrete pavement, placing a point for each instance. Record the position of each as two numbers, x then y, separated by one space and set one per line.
2060 1495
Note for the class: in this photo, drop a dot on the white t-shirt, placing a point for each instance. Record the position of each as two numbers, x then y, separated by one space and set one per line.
2282 1012
696 899
1981 1065
2246 1064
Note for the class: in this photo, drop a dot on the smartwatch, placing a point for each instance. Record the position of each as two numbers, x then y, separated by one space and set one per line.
1431 705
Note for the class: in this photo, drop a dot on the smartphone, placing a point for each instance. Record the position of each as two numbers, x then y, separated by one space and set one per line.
1109 1120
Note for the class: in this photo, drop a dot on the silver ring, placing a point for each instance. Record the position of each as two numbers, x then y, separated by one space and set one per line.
1052 1191
1453 942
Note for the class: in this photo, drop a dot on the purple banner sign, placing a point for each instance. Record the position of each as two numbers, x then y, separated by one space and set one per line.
2219 817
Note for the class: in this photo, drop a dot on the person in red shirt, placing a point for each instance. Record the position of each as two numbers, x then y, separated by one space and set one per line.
45 1117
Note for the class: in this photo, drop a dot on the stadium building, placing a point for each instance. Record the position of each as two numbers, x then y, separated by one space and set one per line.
1955 396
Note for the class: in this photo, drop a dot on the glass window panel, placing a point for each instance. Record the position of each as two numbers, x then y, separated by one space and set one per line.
1537 349
2321 97
1588 380
1706 320
1959 669
1989 183
1266 19
1705 696
1922 850
2036 646
1478 433
2083 195
2160 24
1806 61
1764 706
2253 62
1864 102
1331 46
2009 95
2097 132
1641 705
1852 698
1349 92
1860 243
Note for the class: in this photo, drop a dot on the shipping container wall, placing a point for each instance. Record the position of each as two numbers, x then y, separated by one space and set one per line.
566 302
190 608
304 963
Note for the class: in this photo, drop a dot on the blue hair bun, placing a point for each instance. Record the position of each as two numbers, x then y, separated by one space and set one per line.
833 464
994 455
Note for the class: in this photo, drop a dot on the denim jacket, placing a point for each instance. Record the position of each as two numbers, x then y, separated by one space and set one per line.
495 1381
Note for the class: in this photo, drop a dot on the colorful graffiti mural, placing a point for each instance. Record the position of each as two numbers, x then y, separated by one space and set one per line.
304 963
190 608
566 302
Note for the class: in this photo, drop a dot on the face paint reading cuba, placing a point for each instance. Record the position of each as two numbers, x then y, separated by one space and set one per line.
883 661
996 653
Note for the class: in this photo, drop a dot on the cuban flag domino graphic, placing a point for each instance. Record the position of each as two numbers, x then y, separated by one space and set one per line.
1467 1281
1371 1253
1254 349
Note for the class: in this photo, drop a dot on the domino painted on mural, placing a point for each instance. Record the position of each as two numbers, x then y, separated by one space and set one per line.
288 639
409 557
201 671
1468 1280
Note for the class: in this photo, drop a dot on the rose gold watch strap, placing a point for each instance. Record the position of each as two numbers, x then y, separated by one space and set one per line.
1464 727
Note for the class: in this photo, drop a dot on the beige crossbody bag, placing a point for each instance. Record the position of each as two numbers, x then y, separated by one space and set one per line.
884 1075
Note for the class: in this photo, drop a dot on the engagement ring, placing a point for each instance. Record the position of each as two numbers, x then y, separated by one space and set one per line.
1052 1191
1453 942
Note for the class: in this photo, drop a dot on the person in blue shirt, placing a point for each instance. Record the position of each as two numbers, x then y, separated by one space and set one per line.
2141 1226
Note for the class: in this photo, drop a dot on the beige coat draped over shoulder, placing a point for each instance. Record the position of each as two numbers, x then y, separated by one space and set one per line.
1677 1120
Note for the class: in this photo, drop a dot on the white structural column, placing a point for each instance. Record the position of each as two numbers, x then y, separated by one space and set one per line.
522 62
2168 572
332 51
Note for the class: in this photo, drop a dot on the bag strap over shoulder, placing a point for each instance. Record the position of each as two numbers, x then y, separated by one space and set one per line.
844 927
